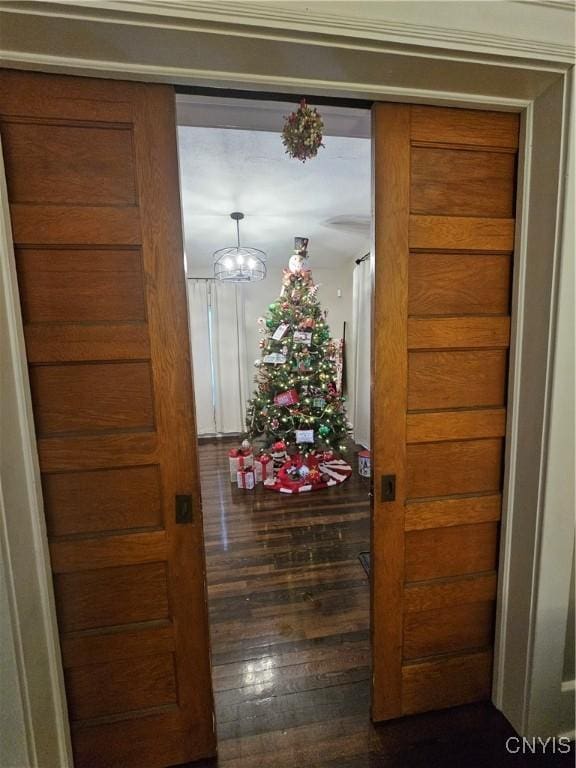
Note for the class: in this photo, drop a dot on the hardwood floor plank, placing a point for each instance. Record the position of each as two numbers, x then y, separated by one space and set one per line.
289 616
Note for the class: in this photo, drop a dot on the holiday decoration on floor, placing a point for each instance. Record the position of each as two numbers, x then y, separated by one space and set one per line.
364 463
298 410
302 132
240 459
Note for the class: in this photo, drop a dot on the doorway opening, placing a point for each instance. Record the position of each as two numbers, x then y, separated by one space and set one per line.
287 573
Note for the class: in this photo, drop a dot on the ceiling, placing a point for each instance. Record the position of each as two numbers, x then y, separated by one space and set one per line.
327 199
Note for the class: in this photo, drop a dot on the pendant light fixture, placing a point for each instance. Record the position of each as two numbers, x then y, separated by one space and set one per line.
239 264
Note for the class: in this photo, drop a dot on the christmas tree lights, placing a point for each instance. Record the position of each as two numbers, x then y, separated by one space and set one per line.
296 400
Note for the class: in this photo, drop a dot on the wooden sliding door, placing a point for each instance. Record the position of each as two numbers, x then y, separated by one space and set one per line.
444 234
93 189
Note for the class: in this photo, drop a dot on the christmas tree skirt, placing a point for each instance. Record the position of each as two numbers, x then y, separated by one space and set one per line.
296 477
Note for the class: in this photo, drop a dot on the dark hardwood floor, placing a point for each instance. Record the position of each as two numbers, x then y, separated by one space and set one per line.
289 619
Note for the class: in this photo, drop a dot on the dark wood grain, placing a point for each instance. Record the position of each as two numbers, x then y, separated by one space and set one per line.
459 284
102 500
81 286
465 127
456 379
122 686
92 176
391 129
453 467
440 552
289 606
455 182
89 398
41 168
111 596
461 233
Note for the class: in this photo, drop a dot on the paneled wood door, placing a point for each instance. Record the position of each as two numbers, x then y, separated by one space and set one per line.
444 235
93 189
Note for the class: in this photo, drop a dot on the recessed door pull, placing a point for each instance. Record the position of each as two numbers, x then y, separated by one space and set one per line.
388 487
184 513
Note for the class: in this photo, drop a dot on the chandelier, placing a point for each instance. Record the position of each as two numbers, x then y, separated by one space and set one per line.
239 264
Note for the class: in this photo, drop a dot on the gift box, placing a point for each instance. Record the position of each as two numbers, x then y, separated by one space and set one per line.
364 464
290 397
238 459
263 468
245 479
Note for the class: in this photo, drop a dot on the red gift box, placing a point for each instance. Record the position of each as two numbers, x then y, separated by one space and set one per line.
245 479
263 468
239 459
287 398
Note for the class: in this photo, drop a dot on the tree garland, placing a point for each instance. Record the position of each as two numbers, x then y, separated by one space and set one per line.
302 132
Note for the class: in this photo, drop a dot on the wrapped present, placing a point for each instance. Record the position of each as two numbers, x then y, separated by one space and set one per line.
239 458
364 467
263 468
245 479
290 397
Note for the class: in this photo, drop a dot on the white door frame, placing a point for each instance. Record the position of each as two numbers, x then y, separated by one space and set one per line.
537 527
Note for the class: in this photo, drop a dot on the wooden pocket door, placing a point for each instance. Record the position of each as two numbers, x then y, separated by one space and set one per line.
93 189
444 201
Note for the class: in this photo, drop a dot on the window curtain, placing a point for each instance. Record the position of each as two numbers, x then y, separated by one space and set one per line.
229 356
199 318
218 339
360 351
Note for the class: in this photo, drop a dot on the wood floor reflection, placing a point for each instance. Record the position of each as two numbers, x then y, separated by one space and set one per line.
289 621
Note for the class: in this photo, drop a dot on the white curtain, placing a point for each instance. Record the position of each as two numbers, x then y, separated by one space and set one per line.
360 351
218 339
229 356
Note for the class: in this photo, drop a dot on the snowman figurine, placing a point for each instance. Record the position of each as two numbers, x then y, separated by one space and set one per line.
297 261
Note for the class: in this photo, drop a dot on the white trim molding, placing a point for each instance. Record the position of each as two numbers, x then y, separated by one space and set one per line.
373 22
257 46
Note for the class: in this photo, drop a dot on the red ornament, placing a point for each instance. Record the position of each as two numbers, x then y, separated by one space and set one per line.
287 398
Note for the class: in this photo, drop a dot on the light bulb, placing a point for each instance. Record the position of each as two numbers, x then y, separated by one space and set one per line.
228 263
240 259
251 263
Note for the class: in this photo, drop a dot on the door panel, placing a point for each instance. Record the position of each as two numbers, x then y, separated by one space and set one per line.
444 232
93 190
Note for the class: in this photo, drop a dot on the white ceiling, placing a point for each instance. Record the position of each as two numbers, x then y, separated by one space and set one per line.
327 199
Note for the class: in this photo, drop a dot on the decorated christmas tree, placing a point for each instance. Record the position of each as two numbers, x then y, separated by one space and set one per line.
297 403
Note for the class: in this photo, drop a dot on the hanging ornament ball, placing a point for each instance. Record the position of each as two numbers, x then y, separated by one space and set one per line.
302 132
324 430
273 307
304 471
257 363
245 445
279 446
